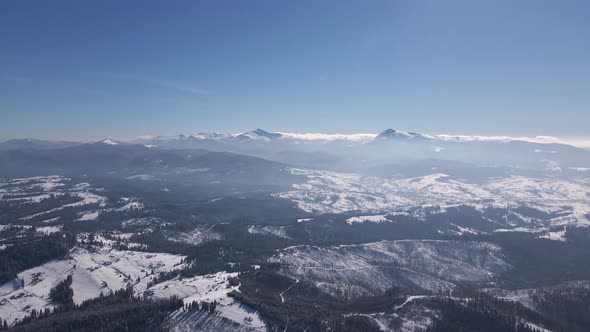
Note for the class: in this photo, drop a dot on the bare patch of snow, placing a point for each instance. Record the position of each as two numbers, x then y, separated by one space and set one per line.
213 287
88 216
278 231
374 219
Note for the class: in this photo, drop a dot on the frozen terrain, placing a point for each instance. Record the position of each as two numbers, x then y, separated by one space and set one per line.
412 317
229 316
94 271
376 218
332 192
60 194
197 236
525 296
277 231
349 271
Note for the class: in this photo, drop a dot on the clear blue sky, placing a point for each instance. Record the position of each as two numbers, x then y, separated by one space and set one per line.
92 69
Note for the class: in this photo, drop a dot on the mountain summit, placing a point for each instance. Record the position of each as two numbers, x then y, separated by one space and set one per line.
389 134
259 134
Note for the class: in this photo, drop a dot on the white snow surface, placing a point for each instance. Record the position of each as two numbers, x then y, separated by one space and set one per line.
197 236
360 219
36 189
350 271
88 216
230 315
49 229
555 235
333 192
277 231
94 271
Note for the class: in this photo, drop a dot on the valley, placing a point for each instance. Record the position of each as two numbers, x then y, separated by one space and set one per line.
232 242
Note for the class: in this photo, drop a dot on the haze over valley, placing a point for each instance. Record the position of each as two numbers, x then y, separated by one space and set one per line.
295 166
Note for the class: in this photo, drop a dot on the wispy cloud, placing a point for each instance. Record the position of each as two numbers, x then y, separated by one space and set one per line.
164 83
584 143
92 91
329 137
69 84
179 86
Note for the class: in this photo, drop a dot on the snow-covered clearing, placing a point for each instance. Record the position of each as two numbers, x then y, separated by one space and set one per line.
213 287
375 219
197 236
94 271
277 231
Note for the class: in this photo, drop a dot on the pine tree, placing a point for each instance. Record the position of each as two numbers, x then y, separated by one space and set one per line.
205 306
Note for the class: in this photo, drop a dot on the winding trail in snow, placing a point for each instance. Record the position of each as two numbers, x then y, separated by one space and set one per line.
408 300
283 300
286 290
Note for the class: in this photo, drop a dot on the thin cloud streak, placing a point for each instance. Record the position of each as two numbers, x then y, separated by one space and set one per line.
329 137
584 143
179 86
168 84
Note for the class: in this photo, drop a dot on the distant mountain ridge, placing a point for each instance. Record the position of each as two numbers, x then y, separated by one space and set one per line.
265 136
30 143
392 152
387 134
353 151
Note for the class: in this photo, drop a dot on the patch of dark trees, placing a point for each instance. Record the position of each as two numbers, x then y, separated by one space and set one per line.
26 253
305 307
566 308
481 313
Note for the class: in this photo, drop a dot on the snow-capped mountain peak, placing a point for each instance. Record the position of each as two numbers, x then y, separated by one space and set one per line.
259 135
108 141
264 133
389 134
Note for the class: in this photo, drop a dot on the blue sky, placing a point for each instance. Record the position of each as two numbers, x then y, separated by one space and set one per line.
87 70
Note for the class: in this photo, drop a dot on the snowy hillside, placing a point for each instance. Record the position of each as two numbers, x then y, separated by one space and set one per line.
94 271
350 271
60 195
197 236
97 270
333 192
230 315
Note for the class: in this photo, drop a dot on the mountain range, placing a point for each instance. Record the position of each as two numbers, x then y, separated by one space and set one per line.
389 153
389 232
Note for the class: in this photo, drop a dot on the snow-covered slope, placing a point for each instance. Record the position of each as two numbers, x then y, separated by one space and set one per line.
97 270
350 271
94 270
277 231
60 194
333 192
552 195
526 296
229 316
195 237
